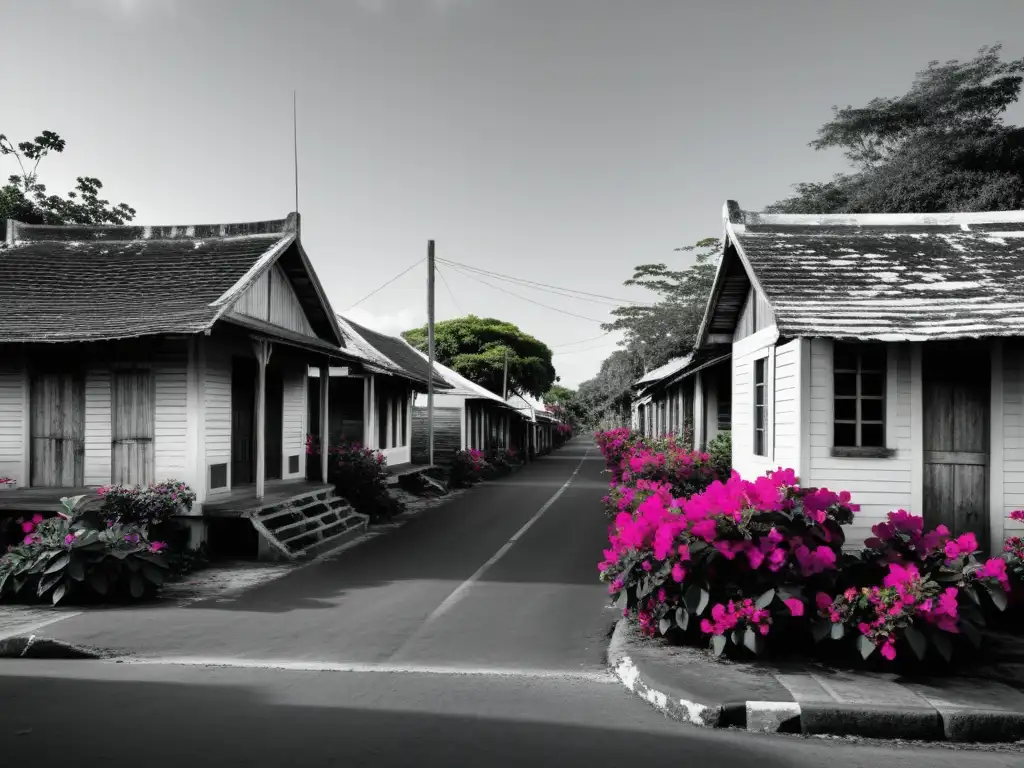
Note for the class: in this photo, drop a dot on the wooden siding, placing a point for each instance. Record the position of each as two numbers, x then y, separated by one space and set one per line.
878 485
132 430
57 422
217 400
786 404
755 316
98 432
170 425
294 426
1013 436
12 420
271 298
447 434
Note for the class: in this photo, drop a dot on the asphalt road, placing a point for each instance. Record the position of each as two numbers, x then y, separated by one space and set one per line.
473 635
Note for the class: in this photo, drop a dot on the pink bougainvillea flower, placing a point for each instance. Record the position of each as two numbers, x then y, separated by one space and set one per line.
889 649
796 607
27 527
69 540
678 573
823 601
1017 514
37 519
157 546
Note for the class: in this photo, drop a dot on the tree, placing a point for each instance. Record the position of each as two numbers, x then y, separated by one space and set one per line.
658 332
475 347
567 404
942 146
25 199
606 398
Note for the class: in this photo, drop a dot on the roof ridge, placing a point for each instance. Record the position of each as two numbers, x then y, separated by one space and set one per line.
18 231
735 216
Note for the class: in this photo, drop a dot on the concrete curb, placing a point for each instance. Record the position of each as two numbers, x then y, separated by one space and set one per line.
32 647
933 721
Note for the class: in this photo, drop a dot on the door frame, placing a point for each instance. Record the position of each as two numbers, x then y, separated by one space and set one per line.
994 482
235 360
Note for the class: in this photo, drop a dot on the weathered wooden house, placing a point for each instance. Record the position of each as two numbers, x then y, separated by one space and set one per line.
880 354
466 416
133 355
373 404
537 432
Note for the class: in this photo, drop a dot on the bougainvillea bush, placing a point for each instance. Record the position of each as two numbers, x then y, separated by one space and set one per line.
563 434
467 467
71 556
750 566
360 475
145 506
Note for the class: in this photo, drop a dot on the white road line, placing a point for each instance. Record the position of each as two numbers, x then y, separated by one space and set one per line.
461 590
384 668
18 631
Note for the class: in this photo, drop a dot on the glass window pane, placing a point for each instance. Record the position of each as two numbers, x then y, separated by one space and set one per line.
871 410
872 384
759 371
759 395
872 436
846 384
759 442
846 409
844 356
845 435
759 418
872 357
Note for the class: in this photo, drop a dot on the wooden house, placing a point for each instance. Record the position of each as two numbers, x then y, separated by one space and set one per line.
466 416
133 355
374 404
880 354
538 437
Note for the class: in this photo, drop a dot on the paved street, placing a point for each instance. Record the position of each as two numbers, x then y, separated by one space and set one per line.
458 639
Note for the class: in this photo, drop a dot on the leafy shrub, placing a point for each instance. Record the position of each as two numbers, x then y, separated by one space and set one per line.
499 461
720 451
145 506
68 555
748 565
361 478
563 434
467 467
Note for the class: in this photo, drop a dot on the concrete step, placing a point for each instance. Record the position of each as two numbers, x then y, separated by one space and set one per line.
306 525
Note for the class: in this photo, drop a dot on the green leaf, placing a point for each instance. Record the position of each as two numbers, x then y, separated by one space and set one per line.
971 632
765 599
865 646
58 593
132 564
76 570
918 642
156 576
943 645
49 582
790 591
98 580
718 643
663 626
998 597
136 585
820 630
753 641
838 631
682 618
691 599
621 600
705 597
736 637
58 564
971 593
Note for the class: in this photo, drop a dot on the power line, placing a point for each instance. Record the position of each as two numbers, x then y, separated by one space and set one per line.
449 289
524 298
381 288
585 349
546 286
582 341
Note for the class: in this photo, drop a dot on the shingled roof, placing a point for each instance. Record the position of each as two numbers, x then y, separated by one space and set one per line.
389 354
79 283
889 277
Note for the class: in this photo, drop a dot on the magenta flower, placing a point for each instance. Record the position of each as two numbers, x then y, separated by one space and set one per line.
796 607
157 546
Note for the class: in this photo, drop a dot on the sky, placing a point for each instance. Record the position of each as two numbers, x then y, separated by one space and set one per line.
556 141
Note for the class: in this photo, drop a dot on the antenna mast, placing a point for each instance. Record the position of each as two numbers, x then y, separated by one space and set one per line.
295 145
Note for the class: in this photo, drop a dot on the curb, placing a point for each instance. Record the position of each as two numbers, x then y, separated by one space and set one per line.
936 721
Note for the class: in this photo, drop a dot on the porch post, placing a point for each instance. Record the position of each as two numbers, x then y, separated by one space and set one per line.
325 435
263 348
698 411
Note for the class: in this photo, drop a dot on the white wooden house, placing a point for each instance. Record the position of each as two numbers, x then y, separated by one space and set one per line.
373 405
136 354
880 354
540 424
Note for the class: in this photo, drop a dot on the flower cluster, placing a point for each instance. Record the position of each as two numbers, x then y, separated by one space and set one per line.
145 506
738 556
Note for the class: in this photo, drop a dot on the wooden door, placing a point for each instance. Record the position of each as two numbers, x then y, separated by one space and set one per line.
133 417
956 383
57 421
243 421
273 425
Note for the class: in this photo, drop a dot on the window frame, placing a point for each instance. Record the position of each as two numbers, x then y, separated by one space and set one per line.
856 350
760 366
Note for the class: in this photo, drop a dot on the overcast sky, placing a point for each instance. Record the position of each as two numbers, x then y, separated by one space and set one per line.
560 141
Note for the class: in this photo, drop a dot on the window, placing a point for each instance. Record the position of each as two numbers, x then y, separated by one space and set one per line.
760 407
859 395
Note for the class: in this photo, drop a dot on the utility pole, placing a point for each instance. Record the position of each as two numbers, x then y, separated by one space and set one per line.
430 352
504 384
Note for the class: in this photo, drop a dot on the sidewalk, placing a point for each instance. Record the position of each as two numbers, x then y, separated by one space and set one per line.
692 686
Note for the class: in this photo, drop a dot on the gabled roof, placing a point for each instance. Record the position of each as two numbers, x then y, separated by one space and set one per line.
95 283
888 277
459 385
387 354
673 366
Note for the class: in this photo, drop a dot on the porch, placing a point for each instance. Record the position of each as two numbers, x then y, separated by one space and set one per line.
31 500
244 501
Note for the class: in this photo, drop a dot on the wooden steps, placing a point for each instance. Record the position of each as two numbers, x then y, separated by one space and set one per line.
307 524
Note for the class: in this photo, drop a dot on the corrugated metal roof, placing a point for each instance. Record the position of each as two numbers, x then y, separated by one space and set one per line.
889 277
670 368
389 353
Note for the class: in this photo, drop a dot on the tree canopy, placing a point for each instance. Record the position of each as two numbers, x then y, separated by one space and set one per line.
940 147
24 198
475 347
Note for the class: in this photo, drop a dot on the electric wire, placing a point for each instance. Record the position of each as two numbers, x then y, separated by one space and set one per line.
389 282
448 288
582 341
